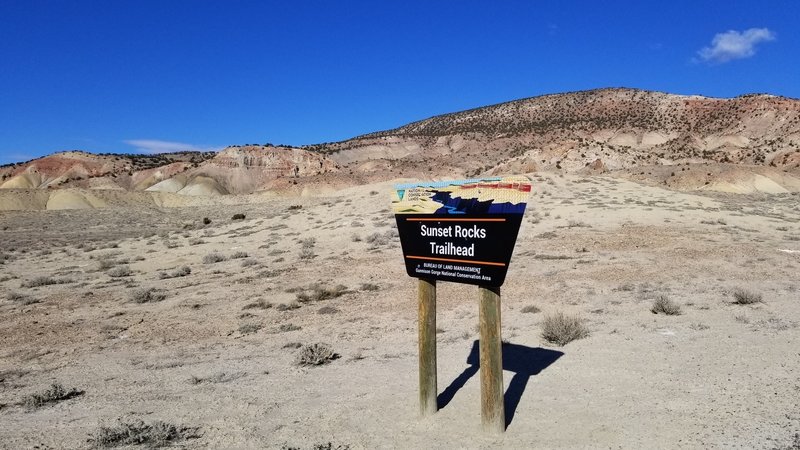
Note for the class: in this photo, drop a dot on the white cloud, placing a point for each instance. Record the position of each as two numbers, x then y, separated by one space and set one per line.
153 146
732 45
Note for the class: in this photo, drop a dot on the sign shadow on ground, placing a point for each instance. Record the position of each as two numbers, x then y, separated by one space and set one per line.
524 361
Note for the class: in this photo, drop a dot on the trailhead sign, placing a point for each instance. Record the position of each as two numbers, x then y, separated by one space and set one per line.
461 231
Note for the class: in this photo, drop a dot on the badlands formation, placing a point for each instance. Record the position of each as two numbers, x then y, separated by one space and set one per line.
185 299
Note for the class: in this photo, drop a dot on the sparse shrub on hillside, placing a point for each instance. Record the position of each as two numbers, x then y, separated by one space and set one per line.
318 293
249 262
54 394
307 253
213 258
238 217
250 328
295 207
287 306
206 221
239 255
308 242
152 435
119 272
561 329
745 297
316 354
663 305
377 239
43 281
327 310
182 272
369 287
260 304
533 309
147 295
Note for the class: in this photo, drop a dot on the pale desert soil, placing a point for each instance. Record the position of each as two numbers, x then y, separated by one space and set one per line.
719 375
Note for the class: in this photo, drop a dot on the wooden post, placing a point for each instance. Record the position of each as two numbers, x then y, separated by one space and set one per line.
427 348
493 416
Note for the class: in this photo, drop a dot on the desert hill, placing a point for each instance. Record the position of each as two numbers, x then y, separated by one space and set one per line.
588 131
745 144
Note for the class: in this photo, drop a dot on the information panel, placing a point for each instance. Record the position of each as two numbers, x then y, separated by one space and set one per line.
461 231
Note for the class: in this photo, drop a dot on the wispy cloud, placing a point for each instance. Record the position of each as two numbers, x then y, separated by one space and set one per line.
733 44
153 146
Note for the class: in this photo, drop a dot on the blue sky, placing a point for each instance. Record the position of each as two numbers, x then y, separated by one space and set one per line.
148 76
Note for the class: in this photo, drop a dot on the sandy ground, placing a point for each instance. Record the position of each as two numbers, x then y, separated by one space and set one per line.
719 375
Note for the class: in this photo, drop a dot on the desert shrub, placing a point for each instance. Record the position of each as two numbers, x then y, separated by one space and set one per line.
249 262
745 297
213 258
119 272
106 263
308 242
316 354
238 217
561 329
196 241
533 309
220 377
147 295
54 394
181 272
355 237
239 255
319 293
152 435
369 287
287 306
206 221
15 297
307 253
288 327
250 328
327 310
377 239
663 305
43 281
261 304
295 207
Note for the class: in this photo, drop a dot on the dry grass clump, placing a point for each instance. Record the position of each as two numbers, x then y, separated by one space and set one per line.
307 253
119 272
43 281
213 258
147 295
377 239
54 394
532 309
152 435
319 293
327 310
239 255
20 298
745 297
249 262
260 304
287 306
663 305
250 328
316 355
182 272
220 377
561 329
